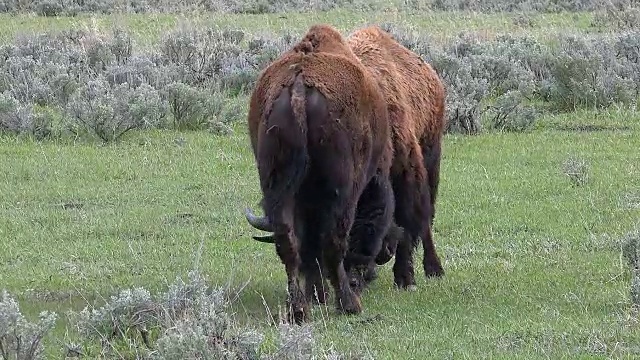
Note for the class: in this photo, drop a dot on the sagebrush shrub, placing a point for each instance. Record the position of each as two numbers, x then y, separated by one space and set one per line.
49 8
26 79
121 46
567 73
526 5
73 7
200 70
192 321
21 339
627 50
192 108
136 71
510 113
108 113
14 117
203 329
19 118
586 73
627 17
464 100
199 54
42 69
472 71
132 310
240 73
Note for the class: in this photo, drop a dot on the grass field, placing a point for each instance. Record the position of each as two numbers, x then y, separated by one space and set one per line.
533 264
149 27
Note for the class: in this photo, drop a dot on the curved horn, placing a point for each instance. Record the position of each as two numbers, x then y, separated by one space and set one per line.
269 239
260 223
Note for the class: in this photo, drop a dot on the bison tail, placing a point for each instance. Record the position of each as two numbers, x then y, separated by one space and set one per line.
285 147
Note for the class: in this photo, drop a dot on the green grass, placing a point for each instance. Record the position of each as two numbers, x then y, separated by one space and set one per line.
533 267
147 29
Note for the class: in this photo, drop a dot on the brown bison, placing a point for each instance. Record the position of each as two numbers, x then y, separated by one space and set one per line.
415 99
321 139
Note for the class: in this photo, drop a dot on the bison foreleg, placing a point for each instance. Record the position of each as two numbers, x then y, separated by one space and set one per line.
403 272
410 215
373 218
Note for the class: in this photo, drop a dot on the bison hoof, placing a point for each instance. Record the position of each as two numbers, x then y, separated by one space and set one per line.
349 305
407 287
298 315
433 270
405 283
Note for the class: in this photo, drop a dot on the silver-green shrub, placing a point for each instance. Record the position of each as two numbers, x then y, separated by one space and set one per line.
191 320
21 339
587 73
107 112
198 71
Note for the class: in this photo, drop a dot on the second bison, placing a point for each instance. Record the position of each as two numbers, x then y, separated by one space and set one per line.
415 100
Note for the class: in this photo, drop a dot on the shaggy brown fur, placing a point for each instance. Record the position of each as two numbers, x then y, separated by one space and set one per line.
415 98
320 136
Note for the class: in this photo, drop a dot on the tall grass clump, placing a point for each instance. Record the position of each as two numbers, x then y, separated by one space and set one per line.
631 252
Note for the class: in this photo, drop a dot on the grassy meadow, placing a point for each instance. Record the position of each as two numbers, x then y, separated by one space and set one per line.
532 255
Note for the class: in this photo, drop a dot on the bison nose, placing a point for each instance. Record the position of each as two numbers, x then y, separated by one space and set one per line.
353 282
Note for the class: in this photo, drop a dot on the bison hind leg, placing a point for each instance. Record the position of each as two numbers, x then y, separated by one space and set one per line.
287 246
331 179
311 251
431 154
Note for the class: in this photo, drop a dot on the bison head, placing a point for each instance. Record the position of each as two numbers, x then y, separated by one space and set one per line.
390 243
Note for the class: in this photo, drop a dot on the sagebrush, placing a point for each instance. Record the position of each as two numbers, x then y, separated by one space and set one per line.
21 339
103 84
191 320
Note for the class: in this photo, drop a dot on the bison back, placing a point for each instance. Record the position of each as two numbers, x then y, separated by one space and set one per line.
411 86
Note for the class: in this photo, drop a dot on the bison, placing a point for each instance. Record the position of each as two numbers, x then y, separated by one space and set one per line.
415 100
321 141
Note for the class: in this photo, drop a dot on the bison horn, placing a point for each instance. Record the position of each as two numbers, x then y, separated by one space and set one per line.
269 239
260 223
